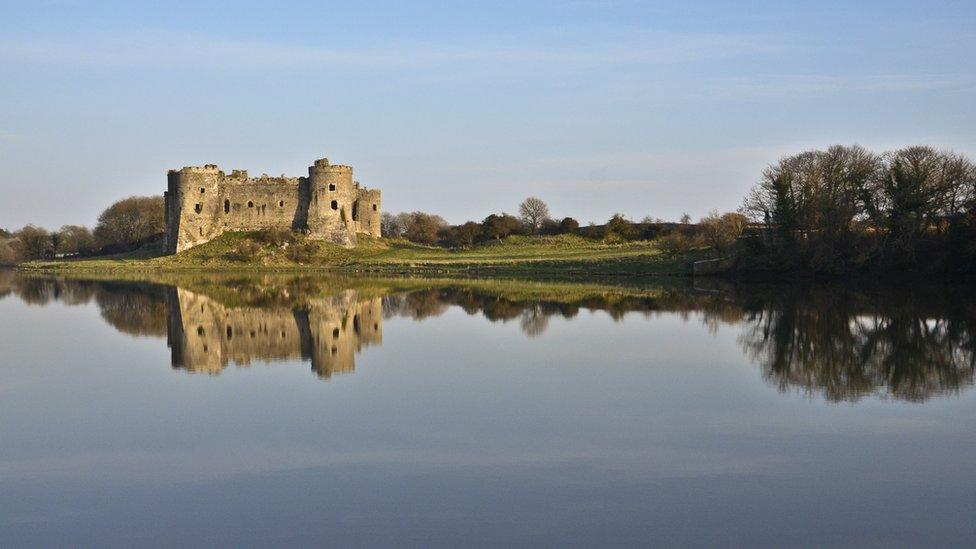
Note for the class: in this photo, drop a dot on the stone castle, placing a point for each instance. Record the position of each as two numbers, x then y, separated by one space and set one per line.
202 203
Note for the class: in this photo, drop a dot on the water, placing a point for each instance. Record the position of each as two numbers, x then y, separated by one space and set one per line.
240 411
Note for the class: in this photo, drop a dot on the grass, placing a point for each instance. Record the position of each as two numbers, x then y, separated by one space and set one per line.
556 257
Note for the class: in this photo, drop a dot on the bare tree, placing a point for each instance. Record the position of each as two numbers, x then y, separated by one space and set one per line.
74 240
533 212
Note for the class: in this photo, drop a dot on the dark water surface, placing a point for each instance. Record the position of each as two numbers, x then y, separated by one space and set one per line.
237 411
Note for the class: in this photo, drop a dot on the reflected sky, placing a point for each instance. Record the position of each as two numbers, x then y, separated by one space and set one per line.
483 413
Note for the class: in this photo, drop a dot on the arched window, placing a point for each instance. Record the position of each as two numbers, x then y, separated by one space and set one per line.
281 203
374 207
335 205
331 186
202 190
226 206
250 204
198 208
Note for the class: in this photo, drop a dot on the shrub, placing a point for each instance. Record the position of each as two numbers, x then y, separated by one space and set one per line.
276 236
247 250
499 226
568 225
619 226
721 231
302 252
674 244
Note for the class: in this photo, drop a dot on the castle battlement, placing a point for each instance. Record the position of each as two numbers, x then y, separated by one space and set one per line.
204 202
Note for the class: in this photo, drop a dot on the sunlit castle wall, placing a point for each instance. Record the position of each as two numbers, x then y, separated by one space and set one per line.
202 203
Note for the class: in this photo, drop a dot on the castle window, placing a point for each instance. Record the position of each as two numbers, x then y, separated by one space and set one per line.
331 186
202 190
281 203
374 207
226 206
198 208
335 205
230 333
335 333
250 204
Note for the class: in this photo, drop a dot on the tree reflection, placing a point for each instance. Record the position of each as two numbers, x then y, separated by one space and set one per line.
901 343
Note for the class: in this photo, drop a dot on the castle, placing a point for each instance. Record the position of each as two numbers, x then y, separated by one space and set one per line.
202 203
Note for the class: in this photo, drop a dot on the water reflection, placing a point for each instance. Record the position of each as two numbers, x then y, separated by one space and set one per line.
901 342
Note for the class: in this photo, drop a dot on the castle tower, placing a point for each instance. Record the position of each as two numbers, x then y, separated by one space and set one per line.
193 204
330 208
367 211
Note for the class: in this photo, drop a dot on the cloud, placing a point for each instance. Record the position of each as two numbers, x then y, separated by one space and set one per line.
777 86
165 49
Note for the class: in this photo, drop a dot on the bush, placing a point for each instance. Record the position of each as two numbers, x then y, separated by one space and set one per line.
499 226
276 236
568 226
674 244
721 231
247 250
620 227
302 252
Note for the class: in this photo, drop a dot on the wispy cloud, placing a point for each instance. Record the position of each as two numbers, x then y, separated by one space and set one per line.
185 50
776 86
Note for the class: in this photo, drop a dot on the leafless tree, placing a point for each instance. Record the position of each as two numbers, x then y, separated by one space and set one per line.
533 212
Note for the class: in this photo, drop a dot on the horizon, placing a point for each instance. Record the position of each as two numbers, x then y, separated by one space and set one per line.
461 111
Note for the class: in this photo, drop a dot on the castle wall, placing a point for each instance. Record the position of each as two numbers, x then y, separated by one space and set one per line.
202 203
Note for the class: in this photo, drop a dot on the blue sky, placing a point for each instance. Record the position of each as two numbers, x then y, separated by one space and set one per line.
466 108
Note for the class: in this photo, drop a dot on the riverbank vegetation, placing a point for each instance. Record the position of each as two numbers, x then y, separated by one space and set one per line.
847 209
838 211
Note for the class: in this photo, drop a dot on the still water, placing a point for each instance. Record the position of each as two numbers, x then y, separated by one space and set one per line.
238 411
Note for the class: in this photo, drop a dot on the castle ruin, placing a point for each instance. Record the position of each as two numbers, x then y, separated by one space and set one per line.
203 203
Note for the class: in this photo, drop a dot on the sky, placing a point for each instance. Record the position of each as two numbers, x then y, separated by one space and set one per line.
466 108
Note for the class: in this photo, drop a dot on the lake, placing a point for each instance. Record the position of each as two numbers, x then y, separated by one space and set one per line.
304 410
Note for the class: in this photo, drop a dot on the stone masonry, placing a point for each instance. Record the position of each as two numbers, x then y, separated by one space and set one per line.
202 203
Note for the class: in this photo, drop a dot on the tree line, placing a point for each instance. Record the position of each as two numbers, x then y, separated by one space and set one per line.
123 226
715 230
847 208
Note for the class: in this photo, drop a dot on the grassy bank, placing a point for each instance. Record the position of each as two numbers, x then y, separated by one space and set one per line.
563 257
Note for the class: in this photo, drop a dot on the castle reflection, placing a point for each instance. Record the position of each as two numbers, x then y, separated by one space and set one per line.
902 342
205 336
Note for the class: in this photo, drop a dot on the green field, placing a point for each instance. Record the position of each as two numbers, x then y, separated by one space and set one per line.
563 256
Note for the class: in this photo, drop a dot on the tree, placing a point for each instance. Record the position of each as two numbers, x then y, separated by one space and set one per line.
423 228
674 244
533 212
74 240
499 226
568 225
721 231
391 226
34 243
8 255
620 226
130 222
468 233
685 219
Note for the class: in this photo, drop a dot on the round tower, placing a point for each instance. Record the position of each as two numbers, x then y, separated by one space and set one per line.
192 206
330 209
